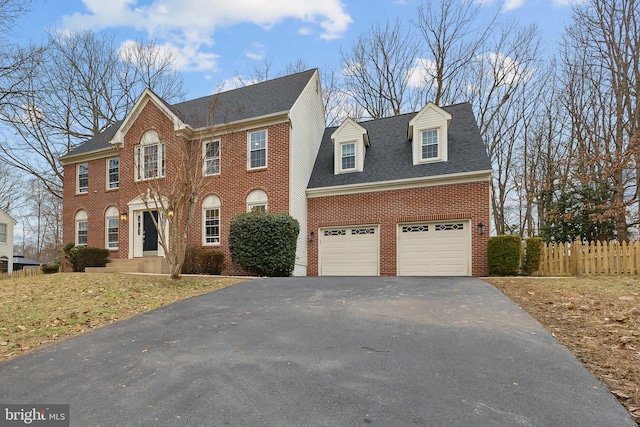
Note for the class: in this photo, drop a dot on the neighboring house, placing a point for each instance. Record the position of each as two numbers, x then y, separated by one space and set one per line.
20 263
6 242
397 196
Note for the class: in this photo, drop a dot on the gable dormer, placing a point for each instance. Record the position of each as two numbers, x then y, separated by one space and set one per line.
428 134
350 141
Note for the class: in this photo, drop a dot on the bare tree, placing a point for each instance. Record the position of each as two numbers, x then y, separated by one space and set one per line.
602 48
453 37
80 87
11 189
377 68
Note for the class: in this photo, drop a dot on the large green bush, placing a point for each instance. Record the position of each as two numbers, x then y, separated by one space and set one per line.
202 261
532 255
264 243
503 255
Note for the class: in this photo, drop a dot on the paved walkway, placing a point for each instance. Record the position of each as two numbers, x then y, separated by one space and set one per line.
384 351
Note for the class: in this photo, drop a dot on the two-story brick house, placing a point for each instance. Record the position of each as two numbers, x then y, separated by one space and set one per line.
355 189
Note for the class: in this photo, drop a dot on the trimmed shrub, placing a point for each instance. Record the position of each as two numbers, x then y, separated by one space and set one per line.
202 261
532 255
90 257
51 268
264 243
70 252
503 255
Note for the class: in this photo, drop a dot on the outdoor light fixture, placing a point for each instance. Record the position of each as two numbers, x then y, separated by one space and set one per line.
124 216
312 236
481 229
170 212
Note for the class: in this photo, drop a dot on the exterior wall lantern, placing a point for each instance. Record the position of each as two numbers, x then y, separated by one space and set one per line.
124 216
481 229
170 212
312 236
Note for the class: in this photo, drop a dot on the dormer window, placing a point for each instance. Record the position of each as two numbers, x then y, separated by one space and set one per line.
348 155
429 144
428 134
350 142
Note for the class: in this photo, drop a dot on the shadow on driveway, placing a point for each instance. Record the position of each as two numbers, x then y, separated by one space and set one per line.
386 351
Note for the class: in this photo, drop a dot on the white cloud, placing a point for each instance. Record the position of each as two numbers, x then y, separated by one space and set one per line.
256 52
510 5
305 31
191 24
421 73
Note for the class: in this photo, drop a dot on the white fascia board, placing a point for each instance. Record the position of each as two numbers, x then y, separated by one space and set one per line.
102 153
401 184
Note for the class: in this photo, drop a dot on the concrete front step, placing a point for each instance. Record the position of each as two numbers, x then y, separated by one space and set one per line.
157 265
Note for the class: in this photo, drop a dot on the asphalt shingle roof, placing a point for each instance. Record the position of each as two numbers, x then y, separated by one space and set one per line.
260 99
389 157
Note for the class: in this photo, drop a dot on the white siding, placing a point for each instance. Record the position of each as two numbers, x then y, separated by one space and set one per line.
349 131
430 117
6 249
307 128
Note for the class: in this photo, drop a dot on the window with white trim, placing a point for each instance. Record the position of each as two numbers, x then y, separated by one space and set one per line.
211 157
112 222
150 162
429 144
211 220
113 173
81 228
83 178
257 201
257 149
3 233
348 155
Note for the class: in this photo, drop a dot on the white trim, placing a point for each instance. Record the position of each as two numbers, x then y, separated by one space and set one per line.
266 149
355 157
107 183
78 165
401 184
204 156
211 202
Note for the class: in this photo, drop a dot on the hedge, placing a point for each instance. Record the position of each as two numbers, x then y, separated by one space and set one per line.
264 243
202 261
532 255
503 255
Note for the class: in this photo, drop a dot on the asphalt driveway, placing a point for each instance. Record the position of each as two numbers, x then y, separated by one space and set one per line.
384 351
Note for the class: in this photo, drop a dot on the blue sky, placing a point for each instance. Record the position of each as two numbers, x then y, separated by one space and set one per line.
216 39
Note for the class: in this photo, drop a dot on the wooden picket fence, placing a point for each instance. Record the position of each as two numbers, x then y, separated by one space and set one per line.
572 259
25 272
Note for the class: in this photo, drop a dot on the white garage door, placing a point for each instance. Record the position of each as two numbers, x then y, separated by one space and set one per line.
434 249
349 251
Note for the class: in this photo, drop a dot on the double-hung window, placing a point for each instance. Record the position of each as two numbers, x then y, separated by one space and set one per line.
211 220
83 178
258 149
212 157
348 155
3 233
150 157
113 228
429 144
113 173
81 228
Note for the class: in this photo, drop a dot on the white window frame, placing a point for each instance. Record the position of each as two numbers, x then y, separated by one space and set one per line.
149 141
343 157
209 161
112 216
210 203
258 201
424 144
109 173
82 189
4 230
82 225
251 148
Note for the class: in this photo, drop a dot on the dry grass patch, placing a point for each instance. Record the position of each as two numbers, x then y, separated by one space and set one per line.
596 317
35 311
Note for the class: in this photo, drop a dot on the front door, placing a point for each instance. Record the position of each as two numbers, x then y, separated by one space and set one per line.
150 234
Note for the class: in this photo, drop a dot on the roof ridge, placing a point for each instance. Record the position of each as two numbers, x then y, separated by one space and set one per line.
243 87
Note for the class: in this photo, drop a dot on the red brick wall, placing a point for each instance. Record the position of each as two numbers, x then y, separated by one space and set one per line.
388 208
232 186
